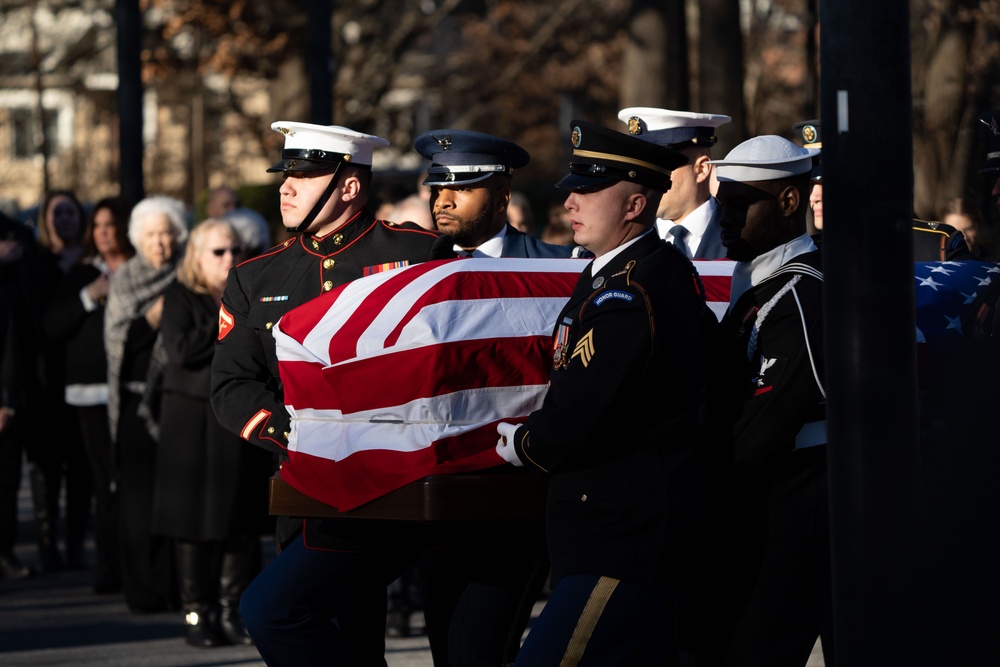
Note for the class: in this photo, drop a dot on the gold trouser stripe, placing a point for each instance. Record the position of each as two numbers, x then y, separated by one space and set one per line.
591 614
621 158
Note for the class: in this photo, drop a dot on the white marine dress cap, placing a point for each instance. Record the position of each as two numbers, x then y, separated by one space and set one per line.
310 147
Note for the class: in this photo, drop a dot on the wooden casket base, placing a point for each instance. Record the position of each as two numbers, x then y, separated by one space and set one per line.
486 495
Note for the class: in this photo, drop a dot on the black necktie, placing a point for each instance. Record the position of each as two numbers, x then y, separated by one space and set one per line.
679 233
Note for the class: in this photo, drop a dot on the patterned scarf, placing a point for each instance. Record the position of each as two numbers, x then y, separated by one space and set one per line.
134 288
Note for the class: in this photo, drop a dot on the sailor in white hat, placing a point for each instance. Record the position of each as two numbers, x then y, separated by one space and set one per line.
688 215
772 385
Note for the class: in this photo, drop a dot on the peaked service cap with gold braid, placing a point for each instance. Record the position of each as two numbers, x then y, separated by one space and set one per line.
674 129
602 157
808 131
311 147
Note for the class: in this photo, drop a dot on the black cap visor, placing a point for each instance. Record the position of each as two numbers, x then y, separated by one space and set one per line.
307 160
585 176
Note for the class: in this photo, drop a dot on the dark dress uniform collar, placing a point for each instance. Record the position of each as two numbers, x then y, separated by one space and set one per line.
340 238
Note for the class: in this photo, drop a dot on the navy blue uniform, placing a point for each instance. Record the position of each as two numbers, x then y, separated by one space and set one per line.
773 399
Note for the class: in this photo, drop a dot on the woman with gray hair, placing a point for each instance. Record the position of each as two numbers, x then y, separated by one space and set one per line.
157 228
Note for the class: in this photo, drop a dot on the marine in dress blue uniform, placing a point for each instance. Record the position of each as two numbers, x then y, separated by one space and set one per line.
617 432
688 215
323 597
771 398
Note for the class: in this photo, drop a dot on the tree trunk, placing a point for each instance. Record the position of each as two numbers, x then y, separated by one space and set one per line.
720 71
655 68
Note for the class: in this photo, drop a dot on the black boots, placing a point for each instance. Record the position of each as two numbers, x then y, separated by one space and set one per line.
240 564
207 573
11 567
201 627
195 574
46 504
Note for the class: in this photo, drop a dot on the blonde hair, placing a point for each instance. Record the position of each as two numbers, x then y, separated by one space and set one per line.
189 271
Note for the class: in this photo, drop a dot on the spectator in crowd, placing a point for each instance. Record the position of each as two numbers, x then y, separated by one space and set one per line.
210 493
132 319
221 200
255 233
323 599
616 442
519 213
75 319
23 286
412 208
58 455
559 228
688 215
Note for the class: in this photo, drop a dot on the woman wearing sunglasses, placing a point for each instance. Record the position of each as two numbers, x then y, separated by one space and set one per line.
210 493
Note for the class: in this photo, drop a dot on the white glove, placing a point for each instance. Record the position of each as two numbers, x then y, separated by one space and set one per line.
505 445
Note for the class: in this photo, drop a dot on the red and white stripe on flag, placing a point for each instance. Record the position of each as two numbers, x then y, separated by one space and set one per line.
406 373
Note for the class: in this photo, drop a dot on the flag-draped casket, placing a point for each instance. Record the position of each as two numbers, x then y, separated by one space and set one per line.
405 374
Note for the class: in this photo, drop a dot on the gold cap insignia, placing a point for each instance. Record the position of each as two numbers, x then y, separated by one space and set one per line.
575 136
809 134
635 125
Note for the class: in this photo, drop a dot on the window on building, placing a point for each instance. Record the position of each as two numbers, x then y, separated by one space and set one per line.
27 140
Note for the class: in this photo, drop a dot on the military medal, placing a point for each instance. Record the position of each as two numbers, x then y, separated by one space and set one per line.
560 352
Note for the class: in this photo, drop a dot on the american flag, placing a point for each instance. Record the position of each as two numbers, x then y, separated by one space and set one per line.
944 291
406 373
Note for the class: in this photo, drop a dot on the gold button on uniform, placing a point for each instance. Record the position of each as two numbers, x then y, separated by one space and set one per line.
269 325
270 430
583 498
328 263
327 285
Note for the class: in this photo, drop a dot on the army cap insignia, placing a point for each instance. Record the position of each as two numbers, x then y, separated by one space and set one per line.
575 136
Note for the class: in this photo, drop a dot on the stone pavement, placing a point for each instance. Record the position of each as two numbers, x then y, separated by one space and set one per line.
55 619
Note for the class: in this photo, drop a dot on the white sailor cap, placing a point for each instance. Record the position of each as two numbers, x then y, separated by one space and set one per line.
311 147
764 158
674 129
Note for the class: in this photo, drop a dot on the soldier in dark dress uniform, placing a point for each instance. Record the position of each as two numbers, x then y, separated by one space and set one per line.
323 598
617 431
771 398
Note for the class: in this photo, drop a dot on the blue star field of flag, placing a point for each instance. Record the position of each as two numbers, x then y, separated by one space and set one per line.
946 290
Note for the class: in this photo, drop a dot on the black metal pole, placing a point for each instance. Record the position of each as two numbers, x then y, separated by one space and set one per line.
128 19
874 460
